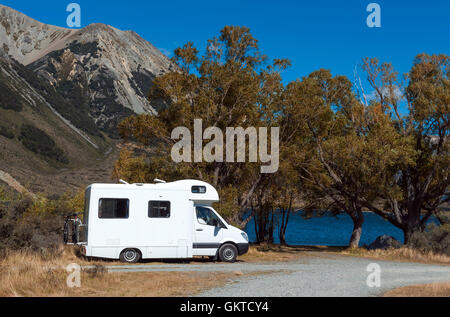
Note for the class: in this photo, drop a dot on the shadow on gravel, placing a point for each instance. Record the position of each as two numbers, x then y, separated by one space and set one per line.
257 253
297 248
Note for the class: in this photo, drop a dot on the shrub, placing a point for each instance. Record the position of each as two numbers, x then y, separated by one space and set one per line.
6 133
5 194
98 271
434 239
41 143
35 225
9 100
77 114
16 232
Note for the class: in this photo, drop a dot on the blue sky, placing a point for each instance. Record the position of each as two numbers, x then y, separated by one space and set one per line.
312 34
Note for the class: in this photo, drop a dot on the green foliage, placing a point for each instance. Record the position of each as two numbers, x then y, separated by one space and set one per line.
228 86
85 48
414 187
76 113
41 143
35 224
108 105
435 239
9 99
6 133
338 151
7 194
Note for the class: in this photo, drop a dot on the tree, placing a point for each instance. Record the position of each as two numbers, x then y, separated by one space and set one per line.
287 193
231 85
274 201
414 188
338 144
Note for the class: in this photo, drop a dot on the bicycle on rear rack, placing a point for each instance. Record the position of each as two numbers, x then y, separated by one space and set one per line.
72 227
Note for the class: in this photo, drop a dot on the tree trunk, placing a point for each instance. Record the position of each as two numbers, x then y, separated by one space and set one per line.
285 221
406 236
358 220
408 232
264 226
411 224
255 219
284 224
282 238
271 229
281 234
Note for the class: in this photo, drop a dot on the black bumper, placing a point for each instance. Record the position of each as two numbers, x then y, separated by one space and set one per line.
243 248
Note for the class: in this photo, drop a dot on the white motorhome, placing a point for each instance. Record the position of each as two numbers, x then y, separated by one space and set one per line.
157 221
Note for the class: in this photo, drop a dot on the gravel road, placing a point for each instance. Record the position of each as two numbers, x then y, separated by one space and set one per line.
321 275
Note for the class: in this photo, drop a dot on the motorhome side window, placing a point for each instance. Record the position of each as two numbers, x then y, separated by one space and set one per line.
159 209
198 189
113 208
207 216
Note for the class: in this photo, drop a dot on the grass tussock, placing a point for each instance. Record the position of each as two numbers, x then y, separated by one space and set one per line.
428 290
269 253
27 274
279 253
401 254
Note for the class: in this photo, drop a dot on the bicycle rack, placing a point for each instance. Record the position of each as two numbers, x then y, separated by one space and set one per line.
72 227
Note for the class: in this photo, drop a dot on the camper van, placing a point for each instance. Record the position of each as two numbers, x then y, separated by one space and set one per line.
174 220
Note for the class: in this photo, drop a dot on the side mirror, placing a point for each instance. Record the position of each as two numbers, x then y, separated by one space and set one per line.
201 221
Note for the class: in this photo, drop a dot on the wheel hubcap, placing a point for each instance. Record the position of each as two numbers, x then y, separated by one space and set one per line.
228 254
130 255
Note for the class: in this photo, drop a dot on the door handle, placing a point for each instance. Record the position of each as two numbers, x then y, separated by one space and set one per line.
199 230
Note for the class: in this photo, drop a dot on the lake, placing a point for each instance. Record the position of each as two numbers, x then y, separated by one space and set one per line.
331 230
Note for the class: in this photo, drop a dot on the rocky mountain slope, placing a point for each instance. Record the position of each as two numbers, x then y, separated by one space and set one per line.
62 93
103 71
39 148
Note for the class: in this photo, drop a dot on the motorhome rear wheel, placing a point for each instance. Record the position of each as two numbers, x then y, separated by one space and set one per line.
130 256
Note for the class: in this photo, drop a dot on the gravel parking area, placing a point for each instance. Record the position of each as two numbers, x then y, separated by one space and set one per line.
325 275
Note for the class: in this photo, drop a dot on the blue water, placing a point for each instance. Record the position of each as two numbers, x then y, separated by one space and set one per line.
331 230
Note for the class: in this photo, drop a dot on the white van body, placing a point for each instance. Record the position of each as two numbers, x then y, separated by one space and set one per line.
160 221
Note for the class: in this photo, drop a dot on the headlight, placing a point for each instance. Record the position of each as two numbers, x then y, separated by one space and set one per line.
245 236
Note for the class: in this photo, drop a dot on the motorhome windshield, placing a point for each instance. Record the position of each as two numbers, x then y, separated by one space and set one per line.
209 217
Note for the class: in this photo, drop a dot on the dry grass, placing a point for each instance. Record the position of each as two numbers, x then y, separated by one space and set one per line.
402 254
150 284
277 253
428 290
270 253
30 275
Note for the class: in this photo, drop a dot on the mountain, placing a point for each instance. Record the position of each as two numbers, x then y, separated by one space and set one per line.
39 148
105 72
62 93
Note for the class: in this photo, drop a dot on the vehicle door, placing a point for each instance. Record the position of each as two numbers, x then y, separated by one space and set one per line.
208 231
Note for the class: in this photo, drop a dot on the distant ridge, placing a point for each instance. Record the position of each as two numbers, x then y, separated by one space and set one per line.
106 71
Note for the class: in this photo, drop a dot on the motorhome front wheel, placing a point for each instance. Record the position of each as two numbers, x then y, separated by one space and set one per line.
228 253
130 256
